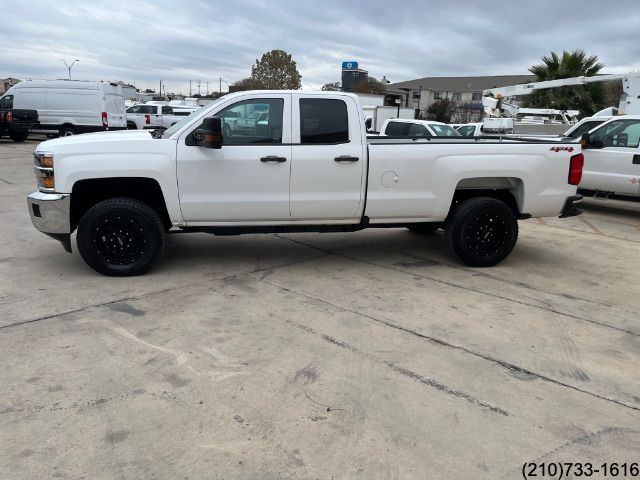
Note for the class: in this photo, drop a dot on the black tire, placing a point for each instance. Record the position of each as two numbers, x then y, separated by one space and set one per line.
19 137
120 237
132 126
482 231
423 228
67 131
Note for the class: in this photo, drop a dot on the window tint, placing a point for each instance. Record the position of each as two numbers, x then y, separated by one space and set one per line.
467 131
444 130
397 129
167 110
323 121
584 128
7 102
416 130
142 109
252 121
619 133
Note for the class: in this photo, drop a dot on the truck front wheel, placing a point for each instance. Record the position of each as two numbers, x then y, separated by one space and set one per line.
482 231
19 137
120 237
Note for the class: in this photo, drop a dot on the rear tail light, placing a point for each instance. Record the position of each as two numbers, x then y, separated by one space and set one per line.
105 120
147 119
9 117
575 169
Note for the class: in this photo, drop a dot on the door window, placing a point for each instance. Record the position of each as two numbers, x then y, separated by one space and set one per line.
143 109
416 130
619 133
397 129
252 121
467 131
323 121
167 110
7 102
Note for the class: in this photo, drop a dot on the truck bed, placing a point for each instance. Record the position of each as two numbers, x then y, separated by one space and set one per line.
416 178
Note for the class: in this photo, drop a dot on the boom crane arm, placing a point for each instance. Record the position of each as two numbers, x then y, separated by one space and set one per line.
494 107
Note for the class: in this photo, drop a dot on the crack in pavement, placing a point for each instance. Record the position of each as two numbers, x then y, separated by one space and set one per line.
437 341
463 287
398 369
154 292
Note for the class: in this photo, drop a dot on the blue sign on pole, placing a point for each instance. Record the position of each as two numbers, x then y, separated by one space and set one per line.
349 65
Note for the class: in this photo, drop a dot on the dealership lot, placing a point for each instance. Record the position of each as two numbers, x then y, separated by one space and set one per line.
366 355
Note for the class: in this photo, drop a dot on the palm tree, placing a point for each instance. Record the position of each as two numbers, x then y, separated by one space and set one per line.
586 98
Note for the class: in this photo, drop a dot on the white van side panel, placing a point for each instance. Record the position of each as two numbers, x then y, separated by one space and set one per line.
76 103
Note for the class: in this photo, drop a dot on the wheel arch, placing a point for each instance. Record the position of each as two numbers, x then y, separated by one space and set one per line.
87 193
510 190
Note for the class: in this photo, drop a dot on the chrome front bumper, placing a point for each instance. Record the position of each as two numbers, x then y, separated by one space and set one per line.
50 213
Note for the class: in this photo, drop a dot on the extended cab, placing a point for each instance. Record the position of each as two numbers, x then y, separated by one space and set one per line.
305 164
16 123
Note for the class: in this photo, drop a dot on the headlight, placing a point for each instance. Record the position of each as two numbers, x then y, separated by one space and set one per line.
43 167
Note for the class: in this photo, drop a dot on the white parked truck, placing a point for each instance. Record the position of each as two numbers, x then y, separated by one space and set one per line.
612 157
146 116
400 127
308 166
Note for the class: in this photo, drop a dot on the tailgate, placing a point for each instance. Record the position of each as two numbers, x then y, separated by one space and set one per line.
23 115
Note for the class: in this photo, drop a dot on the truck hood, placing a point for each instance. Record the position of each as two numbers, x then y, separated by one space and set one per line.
99 137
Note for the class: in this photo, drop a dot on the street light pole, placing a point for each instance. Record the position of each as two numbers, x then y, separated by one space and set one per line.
69 67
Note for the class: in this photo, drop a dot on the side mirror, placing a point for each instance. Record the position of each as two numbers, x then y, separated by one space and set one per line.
212 132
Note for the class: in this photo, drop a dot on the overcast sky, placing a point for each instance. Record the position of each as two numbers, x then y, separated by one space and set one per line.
144 41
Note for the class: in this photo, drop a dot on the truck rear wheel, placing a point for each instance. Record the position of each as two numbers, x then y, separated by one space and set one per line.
120 237
19 137
67 131
482 231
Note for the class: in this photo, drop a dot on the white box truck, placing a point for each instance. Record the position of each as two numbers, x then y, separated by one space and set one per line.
69 107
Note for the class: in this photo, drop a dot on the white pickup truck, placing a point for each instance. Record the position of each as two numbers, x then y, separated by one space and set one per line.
612 157
151 116
308 166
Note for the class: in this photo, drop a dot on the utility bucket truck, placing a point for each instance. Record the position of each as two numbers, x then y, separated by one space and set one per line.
611 147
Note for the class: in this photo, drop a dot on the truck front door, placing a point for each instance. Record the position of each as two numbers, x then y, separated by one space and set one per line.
328 159
616 166
247 180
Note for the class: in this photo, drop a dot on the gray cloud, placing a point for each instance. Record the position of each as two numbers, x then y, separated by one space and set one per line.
145 41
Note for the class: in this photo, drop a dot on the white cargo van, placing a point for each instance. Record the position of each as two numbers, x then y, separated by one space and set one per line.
69 107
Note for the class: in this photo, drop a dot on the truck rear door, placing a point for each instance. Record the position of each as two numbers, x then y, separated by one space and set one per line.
616 166
328 159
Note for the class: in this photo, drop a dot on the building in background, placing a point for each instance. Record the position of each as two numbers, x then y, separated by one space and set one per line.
466 92
7 83
352 76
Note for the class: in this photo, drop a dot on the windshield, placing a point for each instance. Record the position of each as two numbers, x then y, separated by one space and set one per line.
185 121
584 128
467 130
444 130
